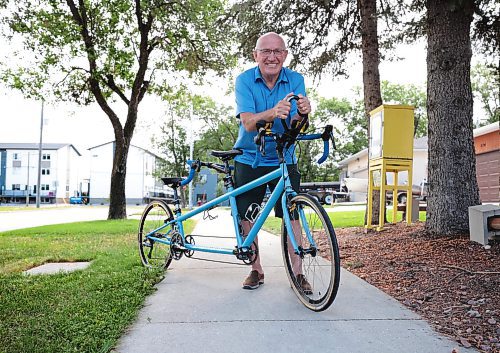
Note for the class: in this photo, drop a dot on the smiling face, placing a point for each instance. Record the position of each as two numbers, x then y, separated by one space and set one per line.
270 54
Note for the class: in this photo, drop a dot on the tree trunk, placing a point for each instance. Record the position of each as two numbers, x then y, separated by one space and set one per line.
117 197
451 161
371 76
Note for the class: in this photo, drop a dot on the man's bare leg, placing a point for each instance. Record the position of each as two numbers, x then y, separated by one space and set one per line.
295 259
246 225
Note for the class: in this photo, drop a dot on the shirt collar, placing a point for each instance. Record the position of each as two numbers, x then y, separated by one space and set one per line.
282 77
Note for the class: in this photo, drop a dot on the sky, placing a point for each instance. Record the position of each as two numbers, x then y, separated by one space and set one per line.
85 127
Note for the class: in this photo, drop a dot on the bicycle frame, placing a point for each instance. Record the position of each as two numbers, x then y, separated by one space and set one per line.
283 185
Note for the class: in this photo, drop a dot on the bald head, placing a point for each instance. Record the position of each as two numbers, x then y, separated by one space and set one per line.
270 37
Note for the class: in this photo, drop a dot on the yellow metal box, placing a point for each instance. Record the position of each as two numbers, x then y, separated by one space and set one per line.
391 132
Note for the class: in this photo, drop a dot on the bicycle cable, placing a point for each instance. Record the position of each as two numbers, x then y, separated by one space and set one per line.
218 261
210 236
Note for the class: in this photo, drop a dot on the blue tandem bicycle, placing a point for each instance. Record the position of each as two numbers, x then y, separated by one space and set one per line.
161 236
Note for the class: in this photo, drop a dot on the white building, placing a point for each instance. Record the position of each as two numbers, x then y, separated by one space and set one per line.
60 172
356 166
140 182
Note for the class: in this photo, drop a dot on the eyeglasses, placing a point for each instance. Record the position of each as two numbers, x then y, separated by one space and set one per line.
268 52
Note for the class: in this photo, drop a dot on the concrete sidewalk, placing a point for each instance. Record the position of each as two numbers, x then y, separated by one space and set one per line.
200 307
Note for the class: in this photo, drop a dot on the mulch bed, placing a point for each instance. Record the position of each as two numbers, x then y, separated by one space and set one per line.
450 281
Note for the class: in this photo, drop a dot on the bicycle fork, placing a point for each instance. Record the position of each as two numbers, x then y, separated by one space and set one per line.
291 208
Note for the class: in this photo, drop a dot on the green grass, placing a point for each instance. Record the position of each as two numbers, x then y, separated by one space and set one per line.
343 219
82 311
31 207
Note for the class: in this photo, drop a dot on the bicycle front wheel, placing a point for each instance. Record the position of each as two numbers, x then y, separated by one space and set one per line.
154 253
314 275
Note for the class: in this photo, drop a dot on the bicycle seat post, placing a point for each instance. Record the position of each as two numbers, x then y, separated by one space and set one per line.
228 179
177 201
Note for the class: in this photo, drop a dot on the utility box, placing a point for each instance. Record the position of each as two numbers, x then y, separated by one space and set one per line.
391 132
391 151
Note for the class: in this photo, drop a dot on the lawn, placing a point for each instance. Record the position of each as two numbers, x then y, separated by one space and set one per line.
342 219
31 207
82 311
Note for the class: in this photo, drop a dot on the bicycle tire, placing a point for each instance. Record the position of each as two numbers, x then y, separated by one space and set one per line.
320 269
154 254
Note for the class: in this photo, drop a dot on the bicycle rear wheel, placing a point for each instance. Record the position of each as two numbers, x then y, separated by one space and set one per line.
153 253
315 275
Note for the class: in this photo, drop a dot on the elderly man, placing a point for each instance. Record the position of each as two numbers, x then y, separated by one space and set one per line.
261 94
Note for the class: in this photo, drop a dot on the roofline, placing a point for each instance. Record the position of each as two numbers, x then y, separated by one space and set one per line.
49 146
102 144
483 130
353 157
72 146
477 132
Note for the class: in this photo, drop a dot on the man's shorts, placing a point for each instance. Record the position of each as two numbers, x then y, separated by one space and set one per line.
244 173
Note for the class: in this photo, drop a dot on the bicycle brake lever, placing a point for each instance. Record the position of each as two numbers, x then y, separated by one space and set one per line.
328 135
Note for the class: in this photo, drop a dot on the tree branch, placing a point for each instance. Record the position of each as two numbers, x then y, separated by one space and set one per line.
110 81
143 90
472 272
69 73
80 17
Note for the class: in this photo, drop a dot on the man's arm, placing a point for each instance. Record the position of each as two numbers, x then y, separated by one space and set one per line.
280 110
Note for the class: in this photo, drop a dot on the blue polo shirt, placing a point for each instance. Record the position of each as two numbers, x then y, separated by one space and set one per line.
253 96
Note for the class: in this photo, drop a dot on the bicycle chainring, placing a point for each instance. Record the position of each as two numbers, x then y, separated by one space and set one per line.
190 241
177 246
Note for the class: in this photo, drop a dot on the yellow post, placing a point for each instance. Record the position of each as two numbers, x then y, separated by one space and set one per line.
395 198
383 185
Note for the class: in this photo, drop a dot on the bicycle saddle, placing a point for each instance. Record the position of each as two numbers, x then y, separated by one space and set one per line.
172 181
226 155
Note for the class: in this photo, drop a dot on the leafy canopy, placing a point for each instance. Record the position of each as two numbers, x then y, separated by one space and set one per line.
64 44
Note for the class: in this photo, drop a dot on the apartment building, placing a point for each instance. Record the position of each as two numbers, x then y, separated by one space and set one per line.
60 172
141 181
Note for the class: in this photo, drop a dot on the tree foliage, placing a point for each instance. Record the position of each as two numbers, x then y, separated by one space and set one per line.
486 87
113 51
348 120
218 127
320 34
212 126
350 125
68 44
408 94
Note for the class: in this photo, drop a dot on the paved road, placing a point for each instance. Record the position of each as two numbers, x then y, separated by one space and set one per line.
33 217
200 307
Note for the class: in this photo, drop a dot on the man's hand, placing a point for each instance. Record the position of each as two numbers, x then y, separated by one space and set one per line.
282 109
303 105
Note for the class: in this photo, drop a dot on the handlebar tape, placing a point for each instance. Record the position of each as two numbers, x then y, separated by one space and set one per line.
190 177
256 160
326 151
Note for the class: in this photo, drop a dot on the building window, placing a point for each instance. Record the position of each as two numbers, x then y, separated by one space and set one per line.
16 186
46 157
44 187
45 171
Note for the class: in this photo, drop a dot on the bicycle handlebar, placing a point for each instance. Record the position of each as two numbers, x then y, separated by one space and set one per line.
196 166
291 135
192 171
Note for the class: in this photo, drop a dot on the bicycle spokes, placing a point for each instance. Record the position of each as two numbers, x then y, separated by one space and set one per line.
314 273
